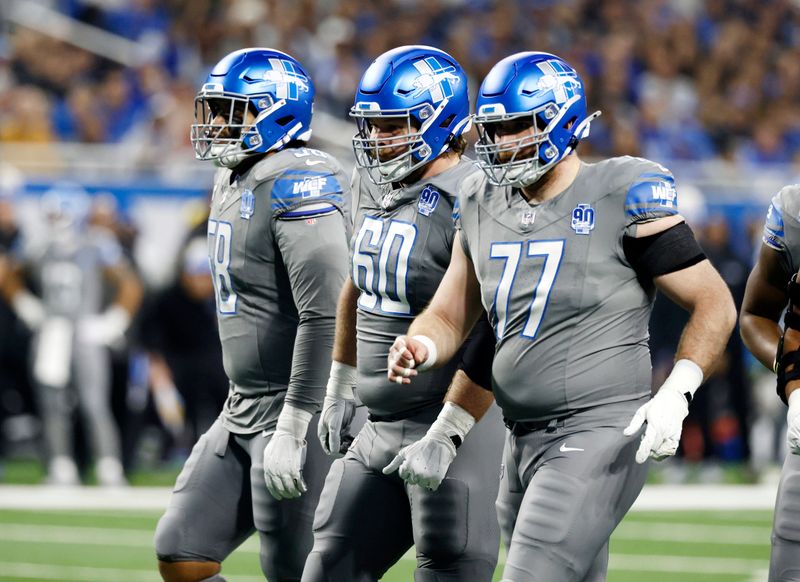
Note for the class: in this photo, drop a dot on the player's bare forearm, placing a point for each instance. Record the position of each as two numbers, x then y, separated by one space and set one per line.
469 395
344 344
700 290
454 309
764 300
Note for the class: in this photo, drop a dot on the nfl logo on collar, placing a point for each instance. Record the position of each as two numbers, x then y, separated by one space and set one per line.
583 219
428 199
248 205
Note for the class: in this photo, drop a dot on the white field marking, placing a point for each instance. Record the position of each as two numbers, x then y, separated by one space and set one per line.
760 576
44 497
91 574
653 497
91 536
744 535
689 565
705 497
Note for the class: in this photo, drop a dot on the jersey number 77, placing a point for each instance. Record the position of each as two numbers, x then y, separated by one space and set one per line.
514 255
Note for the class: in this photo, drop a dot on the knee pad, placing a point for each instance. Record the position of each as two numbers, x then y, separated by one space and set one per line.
168 537
439 519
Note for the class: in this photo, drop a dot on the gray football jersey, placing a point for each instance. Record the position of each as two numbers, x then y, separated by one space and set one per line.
570 315
278 251
69 272
782 227
400 249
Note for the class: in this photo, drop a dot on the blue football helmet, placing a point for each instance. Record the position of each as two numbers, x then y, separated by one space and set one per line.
272 86
537 90
422 86
65 207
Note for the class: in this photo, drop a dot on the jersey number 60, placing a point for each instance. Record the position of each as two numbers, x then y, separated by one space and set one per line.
388 287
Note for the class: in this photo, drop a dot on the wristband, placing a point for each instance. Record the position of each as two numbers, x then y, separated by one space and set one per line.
430 360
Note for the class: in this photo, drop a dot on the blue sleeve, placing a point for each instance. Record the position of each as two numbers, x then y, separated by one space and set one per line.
650 196
773 235
301 193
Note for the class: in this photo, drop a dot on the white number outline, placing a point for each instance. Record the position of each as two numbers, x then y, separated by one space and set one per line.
511 253
221 234
372 293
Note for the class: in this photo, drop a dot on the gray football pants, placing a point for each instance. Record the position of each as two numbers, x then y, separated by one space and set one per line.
784 561
91 385
563 491
367 520
220 499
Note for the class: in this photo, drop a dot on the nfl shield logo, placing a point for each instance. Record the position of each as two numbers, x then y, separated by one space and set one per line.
527 217
248 205
583 219
428 199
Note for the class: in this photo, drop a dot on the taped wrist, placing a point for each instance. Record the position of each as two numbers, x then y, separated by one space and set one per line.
293 421
341 382
664 252
685 378
453 422
787 364
429 361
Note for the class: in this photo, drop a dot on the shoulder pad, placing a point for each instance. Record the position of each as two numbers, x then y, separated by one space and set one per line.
305 193
649 190
785 205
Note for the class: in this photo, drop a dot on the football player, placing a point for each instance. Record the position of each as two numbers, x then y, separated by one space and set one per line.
277 237
412 109
74 330
771 288
564 256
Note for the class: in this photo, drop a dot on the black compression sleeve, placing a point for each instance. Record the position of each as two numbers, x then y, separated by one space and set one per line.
477 358
664 252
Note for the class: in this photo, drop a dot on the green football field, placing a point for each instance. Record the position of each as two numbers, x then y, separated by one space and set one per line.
116 546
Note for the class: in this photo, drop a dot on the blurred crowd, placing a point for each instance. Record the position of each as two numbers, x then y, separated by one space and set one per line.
684 80
675 79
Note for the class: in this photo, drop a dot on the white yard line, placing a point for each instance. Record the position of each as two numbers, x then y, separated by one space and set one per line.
653 498
90 536
686 564
745 535
89 574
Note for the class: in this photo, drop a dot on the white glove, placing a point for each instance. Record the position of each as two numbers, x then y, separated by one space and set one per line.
338 409
793 420
425 462
665 412
105 329
29 309
285 454
169 407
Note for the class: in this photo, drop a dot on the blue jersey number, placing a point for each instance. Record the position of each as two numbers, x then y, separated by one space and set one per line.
383 285
512 254
220 237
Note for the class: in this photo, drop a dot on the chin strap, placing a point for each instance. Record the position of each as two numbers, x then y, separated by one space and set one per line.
787 365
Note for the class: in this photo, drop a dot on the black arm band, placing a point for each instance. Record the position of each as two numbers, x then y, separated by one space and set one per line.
664 252
479 354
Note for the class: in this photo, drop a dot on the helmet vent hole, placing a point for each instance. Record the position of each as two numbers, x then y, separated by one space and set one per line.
284 120
448 120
